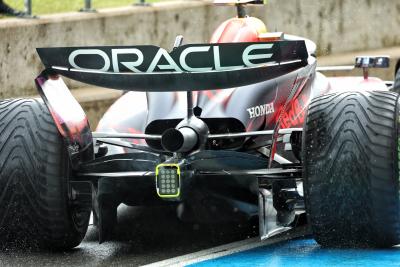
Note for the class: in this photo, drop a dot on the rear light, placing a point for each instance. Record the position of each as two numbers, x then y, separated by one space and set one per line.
168 180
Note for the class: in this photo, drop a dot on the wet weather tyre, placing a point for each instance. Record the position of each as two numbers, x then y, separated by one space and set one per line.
35 211
351 172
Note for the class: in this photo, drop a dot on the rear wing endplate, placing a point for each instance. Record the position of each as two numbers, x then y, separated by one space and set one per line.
187 68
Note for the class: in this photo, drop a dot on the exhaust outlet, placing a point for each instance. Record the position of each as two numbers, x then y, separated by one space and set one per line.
183 139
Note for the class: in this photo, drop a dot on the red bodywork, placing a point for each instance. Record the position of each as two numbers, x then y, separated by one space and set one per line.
250 29
239 30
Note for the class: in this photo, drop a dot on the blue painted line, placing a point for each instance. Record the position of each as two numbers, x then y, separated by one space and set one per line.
306 252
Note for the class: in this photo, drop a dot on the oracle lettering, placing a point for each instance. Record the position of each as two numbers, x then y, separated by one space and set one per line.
163 61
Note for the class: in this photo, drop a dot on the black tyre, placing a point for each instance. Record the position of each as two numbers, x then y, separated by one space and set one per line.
396 85
35 211
351 169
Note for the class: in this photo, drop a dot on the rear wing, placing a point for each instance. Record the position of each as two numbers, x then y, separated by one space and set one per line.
190 67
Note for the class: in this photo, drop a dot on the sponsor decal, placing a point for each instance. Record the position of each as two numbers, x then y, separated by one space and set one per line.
189 58
295 114
261 110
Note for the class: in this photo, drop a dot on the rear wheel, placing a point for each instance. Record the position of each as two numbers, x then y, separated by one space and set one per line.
351 172
35 210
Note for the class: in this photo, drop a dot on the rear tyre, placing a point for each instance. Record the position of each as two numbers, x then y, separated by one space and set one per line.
35 211
351 169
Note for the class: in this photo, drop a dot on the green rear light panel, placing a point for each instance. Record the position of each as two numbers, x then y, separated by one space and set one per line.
168 180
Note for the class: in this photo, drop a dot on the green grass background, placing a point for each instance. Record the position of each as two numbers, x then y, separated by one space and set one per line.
40 7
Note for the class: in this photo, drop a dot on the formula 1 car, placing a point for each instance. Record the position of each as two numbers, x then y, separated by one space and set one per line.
244 126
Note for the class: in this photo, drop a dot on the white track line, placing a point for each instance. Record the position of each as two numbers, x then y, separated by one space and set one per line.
227 249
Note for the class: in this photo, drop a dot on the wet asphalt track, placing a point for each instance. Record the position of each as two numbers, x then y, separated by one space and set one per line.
143 236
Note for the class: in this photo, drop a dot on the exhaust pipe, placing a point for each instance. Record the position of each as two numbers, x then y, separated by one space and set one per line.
182 140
